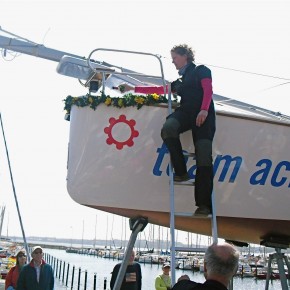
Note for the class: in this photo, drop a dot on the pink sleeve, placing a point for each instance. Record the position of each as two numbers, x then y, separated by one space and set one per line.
207 93
150 90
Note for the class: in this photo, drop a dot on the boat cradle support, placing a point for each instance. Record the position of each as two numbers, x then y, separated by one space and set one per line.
136 225
278 243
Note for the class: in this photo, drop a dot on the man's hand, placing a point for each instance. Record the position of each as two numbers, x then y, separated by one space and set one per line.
201 117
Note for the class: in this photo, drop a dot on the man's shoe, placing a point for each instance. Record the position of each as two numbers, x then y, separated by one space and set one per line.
202 211
180 178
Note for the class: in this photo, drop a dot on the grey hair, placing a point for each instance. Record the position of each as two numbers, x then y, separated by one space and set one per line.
184 49
225 266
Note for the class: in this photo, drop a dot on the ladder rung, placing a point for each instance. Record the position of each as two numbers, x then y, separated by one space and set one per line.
185 183
202 216
191 215
186 214
186 249
188 154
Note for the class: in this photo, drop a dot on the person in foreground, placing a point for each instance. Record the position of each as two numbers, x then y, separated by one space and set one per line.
184 283
220 265
196 113
163 281
133 275
13 274
37 275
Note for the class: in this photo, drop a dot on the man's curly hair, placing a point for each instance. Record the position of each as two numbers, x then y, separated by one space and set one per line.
184 49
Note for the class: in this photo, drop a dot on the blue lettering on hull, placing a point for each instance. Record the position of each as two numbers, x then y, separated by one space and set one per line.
226 169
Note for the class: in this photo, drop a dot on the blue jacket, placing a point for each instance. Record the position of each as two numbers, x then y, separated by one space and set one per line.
27 278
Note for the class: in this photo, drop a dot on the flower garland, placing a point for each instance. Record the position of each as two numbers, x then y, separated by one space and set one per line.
128 100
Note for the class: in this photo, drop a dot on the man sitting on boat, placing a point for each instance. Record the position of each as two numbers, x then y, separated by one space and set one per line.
196 113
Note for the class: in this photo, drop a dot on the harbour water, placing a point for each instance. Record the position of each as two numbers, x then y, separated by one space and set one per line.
103 267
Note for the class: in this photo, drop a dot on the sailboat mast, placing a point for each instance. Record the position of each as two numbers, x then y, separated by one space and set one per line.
83 235
1 219
14 191
122 228
95 233
107 232
7 226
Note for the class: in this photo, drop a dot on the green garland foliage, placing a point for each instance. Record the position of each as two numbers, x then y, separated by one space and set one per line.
128 100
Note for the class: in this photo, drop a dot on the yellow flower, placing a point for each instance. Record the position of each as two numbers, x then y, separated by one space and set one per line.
108 101
90 100
120 103
75 99
155 96
139 100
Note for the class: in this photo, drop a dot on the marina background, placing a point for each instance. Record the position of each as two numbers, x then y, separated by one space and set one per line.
103 268
100 263
245 44
234 38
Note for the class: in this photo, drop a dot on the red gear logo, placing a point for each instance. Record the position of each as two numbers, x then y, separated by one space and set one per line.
119 144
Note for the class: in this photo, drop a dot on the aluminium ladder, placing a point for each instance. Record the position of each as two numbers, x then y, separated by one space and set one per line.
173 249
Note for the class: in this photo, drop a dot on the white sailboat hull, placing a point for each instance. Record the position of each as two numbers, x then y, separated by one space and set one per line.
118 163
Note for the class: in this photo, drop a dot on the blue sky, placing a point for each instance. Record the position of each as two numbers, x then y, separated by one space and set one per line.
249 36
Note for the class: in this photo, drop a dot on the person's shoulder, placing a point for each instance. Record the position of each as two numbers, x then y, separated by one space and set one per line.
11 271
213 284
25 268
203 71
197 286
117 266
207 285
47 265
202 68
136 264
185 285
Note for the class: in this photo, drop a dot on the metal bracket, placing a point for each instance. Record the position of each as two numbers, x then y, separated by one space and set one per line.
136 225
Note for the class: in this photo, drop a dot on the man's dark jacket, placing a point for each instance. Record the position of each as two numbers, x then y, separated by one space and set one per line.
28 280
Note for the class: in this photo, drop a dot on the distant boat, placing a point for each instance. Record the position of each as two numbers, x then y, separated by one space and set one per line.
145 259
185 264
72 250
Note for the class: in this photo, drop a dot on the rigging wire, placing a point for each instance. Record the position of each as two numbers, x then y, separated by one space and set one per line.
247 72
17 36
253 73
14 191
14 54
4 53
282 84
45 35
238 70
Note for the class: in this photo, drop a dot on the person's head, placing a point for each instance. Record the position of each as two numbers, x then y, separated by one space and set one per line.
221 262
181 55
183 277
132 257
37 254
166 268
21 258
